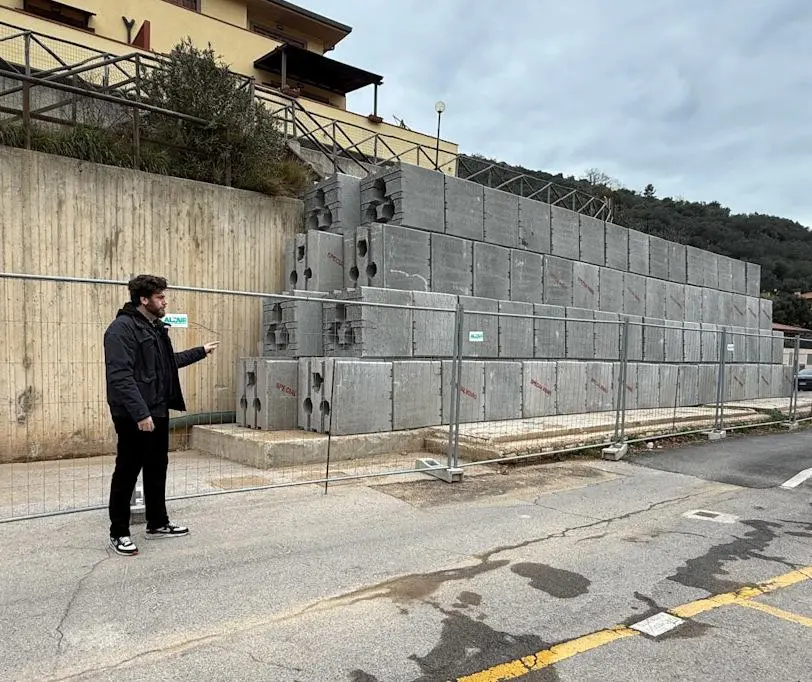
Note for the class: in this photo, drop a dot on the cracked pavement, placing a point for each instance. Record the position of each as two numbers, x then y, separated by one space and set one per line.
408 582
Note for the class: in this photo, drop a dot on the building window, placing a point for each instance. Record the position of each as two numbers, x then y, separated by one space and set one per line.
193 5
59 12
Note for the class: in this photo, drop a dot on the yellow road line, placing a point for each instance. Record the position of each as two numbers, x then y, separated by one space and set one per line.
778 613
560 652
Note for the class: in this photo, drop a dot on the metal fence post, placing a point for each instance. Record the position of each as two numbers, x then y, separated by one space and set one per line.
27 92
718 431
792 421
619 447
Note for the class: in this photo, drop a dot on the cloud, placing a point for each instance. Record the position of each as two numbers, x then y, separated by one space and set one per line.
705 100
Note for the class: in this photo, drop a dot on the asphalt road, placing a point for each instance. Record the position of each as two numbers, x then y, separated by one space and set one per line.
536 574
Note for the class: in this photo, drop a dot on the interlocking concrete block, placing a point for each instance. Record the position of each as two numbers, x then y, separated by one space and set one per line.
752 341
610 284
674 341
564 233
778 348
550 332
333 204
738 310
711 307
361 397
607 336
290 274
708 380
299 331
752 275
688 390
600 388
592 245
765 347
305 412
491 271
277 394
416 394
452 265
735 382
638 253
515 333
655 297
737 338
658 254
434 329
350 238
634 294
711 335
571 384
534 225
669 386
471 391
674 301
677 262
246 390
648 386
480 315
725 316
725 273
398 258
630 392
634 345
503 390
653 339
739 277
539 389
781 383
692 342
580 334
694 266
710 269
765 317
526 276
501 218
586 286
617 247
558 281
319 262
693 303
765 380
751 381
298 257
406 195
752 312
464 208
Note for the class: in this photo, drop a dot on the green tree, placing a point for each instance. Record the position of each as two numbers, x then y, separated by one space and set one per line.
649 192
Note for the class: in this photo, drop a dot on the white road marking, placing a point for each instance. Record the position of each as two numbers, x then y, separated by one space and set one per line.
797 479
657 624
705 515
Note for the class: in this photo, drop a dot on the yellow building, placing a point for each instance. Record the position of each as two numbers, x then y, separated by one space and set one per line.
280 45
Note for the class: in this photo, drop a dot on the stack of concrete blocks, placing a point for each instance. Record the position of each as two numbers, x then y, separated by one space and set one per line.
548 294
267 393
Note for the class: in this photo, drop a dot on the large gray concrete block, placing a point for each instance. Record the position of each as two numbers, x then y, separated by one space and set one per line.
674 301
778 348
277 394
534 225
246 379
781 381
452 265
634 345
750 381
711 307
464 208
539 389
638 252
648 386
669 386
752 312
600 388
674 341
630 387
416 394
350 237
307 368
725 308
765 317
503 390
708 380
434 327
658 254
736 339
516 333
299 332
617 247
653 339
752 340
526 276
634 294
765 347
586 286
592 247
655 298
480 316
694 266
765 374
360 399
323 262
564 233
471 391
677 262
571 387
752 279
693 303
333 204
710 269
724 273
491 271
607 336
297 261
688 390
550 332
738 310
501 218
611 290
739 277
398 258
692 342
406 195
580 334
734 382
711 335
558 281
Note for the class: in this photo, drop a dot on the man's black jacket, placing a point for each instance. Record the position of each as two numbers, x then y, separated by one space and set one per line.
142 368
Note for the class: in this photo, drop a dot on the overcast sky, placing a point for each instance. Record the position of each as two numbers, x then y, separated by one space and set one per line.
705 99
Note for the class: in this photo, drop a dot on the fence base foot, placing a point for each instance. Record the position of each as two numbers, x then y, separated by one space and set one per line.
138 512
615 452
717 435
791 426
432 467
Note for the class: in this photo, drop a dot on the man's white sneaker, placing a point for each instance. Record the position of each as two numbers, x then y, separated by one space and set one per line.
124 546
170 530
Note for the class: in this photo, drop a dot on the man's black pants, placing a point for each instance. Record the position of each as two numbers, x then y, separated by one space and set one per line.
136 450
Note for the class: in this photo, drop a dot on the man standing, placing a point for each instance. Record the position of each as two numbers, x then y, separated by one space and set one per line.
142 386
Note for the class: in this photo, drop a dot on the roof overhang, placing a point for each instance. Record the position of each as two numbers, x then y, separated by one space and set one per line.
311 68
326 29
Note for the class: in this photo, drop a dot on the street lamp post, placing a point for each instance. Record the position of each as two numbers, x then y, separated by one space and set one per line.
439 108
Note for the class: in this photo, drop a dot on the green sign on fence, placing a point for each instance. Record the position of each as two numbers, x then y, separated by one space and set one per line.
177 320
